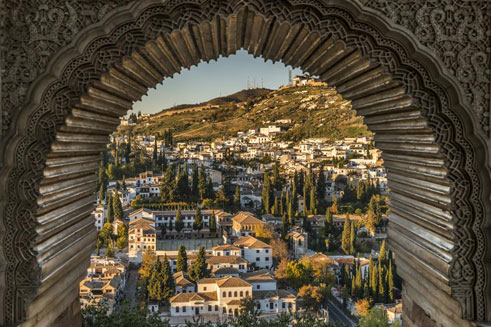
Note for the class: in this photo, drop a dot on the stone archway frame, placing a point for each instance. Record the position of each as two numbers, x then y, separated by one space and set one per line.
416 109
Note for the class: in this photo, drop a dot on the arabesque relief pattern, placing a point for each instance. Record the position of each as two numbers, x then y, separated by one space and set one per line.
46 28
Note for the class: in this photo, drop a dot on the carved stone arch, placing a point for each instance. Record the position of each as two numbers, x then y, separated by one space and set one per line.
439 183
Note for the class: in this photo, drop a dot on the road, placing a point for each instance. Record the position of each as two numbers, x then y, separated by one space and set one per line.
130 287
336 314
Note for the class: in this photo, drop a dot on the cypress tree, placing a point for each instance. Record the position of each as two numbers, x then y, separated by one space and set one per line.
374 283
313 202
276 207
101 194
291 217
390 283
202 183
182 259
169 286
199 268
305 199
381 283
117 207
155 153
179 225
284 226
359 283
198 220
352 239
110 210
266 193
346 236
195 183
382 253
155 285
237 199
213 222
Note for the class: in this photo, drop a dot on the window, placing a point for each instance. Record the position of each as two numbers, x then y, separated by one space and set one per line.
267 258
267 251
209 307
183 309
235 294
177 309
204 288
258 286
241 293
216 307
247 293
224 294
283 305
257 251
229 294
257 258
258 306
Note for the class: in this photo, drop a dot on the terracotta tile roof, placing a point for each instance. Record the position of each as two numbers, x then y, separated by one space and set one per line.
182 279
246 218
234 302
225 247
207 280
282 294
232 259
191 297
261 276
232 282
226 270
251 243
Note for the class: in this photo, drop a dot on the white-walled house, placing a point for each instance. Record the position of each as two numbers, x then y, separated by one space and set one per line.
222 297
256 252
100 216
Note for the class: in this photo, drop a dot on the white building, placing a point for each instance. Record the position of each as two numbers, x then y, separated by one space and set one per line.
256 252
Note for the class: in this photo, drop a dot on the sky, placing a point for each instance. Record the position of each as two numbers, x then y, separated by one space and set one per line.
216 78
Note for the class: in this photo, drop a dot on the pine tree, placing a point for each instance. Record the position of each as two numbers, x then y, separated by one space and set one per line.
346 236
198 220
117 207
182 259
199 268
352 239
179 225
237 199
213 222
110 210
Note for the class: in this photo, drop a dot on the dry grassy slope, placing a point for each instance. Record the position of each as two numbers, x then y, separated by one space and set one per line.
313 111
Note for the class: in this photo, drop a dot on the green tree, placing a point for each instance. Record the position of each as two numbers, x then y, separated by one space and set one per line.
169 286
199 268
352 239
101 194
298 274
202 183
198 220
237 199
213 222
110 210
382 257
168 185
109 251
266 194
117 206
155 285
179 225
375 318
182 259
390 283
346 236
195 183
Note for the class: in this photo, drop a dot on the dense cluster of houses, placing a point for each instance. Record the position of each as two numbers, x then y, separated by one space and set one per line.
104 284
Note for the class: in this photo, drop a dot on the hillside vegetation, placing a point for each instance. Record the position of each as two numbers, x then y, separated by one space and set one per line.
307 111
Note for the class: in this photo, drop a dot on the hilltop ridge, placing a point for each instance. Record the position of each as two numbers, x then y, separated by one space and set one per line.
305 111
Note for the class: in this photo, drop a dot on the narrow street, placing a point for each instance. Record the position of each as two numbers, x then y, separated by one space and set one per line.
336 314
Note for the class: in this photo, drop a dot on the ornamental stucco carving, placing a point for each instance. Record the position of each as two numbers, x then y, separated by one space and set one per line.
33 34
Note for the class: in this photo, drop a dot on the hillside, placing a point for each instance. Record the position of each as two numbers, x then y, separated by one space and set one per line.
308 111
